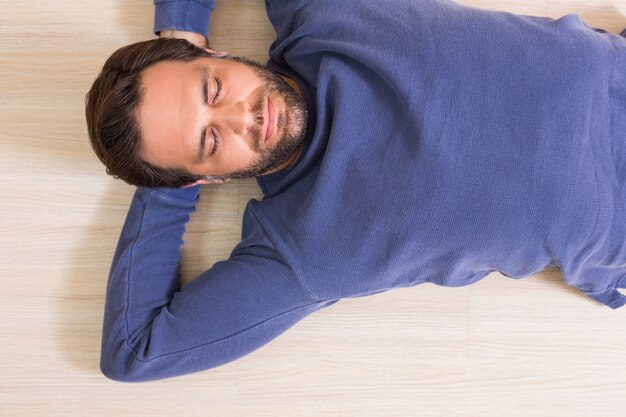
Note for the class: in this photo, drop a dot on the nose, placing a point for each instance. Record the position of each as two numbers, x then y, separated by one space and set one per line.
234 116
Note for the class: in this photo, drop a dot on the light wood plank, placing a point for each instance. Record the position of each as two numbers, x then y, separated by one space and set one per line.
500 347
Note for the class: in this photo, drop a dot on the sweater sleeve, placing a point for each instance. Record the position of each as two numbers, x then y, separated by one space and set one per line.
187 15
154 329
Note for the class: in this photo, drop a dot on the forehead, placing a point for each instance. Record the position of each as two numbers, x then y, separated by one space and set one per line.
158 114
158 81
171 70
162 84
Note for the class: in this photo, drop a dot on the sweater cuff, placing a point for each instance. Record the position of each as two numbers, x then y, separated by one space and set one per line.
188 193
187 15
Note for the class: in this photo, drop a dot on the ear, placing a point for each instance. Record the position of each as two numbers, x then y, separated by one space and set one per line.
206 181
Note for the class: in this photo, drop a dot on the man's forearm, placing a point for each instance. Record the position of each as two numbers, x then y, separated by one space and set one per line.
145 270
183 15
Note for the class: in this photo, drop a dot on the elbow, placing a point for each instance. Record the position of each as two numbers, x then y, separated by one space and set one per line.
114 374
122 365
119 361
117 375
116 371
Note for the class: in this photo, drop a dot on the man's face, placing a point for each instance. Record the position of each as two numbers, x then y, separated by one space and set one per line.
182 112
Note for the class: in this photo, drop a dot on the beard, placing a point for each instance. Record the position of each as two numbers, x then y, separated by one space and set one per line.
292 122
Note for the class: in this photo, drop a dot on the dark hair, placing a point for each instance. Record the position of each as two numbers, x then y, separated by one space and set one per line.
111 106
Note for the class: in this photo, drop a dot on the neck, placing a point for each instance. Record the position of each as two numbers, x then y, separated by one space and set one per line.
292 83
292 159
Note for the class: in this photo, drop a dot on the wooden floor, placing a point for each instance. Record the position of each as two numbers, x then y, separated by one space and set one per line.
501 347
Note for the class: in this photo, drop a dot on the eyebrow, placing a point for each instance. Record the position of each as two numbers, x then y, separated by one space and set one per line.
204 83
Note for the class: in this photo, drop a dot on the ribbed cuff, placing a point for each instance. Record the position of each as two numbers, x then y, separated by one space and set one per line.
187 15
188 193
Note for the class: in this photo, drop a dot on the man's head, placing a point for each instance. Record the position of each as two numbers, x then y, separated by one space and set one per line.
166 113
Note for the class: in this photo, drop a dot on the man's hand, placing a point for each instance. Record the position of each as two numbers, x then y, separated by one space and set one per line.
192 37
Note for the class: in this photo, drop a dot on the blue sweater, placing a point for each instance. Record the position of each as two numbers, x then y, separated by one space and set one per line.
444 142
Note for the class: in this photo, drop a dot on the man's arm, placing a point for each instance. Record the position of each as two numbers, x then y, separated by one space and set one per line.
154 329
185 19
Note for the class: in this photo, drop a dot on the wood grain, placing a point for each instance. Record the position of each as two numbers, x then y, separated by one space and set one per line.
500 347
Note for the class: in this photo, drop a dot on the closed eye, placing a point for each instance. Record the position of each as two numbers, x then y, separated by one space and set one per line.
212 131
215 142
218 91
218 82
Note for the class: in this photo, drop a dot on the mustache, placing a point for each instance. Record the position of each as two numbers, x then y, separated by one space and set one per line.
257 111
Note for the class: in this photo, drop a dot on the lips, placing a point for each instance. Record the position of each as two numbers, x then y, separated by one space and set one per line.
271 120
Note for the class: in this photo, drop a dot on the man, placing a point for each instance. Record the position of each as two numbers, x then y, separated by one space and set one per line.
396 143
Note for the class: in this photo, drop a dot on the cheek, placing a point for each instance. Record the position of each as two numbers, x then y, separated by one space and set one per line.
236 154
